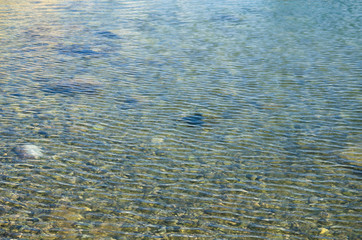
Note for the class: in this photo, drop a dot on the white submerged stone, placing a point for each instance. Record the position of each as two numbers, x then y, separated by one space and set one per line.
28 151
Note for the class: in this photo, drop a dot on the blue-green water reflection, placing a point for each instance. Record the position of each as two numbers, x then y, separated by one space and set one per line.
180 119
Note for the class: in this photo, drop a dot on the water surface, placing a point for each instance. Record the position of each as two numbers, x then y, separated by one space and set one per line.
181 119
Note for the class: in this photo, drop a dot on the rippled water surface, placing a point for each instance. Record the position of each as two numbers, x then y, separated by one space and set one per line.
180 119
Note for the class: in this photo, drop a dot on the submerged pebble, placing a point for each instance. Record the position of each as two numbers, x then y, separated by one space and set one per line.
251 176
157 140
28 151
323 230
313 199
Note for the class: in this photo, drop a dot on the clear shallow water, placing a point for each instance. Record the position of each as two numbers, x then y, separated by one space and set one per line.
103 88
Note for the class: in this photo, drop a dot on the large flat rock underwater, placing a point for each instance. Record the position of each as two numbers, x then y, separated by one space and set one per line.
82 84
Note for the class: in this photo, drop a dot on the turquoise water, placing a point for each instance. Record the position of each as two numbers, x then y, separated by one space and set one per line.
180 119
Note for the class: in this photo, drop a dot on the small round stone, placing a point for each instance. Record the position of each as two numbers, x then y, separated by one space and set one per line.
251 176
313 200
157 140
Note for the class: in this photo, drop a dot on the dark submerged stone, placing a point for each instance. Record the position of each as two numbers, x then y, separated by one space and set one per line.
73 86
108 34
128 103
131 101
71 89
43 133
78 49
194 120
